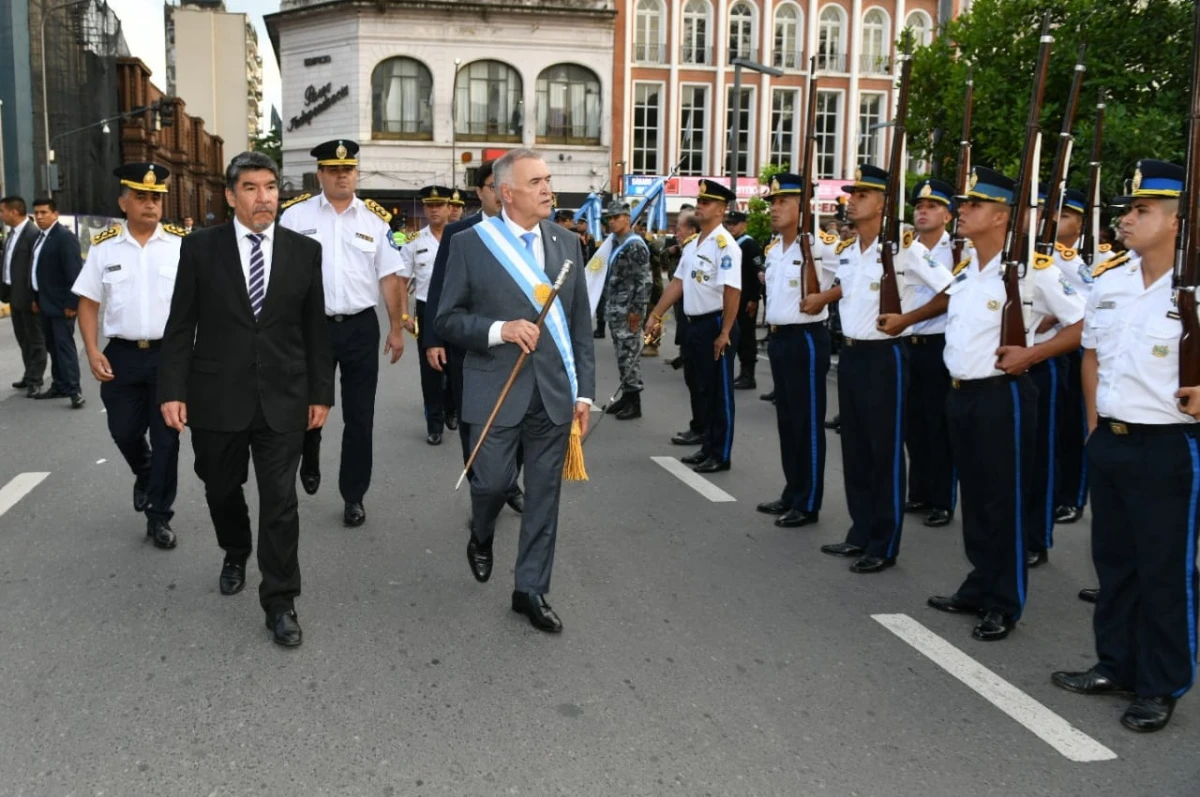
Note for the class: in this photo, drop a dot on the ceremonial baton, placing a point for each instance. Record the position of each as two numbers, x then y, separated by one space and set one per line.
487 427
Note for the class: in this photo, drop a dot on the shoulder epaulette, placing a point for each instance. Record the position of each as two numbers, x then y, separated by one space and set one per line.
1110 264
1065 252
690 238
296 200
827 238
722 241
961 267
844 245
1104 248
174 230
771 245
1041 262
906 239
378 210
111 232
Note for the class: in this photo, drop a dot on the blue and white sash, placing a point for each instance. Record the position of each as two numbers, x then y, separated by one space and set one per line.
633 237
521 265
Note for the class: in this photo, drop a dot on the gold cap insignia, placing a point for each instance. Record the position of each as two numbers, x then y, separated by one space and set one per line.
434 192
926 191
774 183
858 175
454 195
150 178
341 151
974 180
541 292
703 187
1137 178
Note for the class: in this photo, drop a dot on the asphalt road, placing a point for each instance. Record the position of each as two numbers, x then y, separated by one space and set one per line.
706 652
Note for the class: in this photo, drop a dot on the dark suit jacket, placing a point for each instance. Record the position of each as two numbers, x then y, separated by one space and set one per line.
752 262
58 265
223 362
477 292
438 277
20 293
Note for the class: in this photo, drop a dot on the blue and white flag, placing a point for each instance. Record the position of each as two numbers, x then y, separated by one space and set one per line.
591 210
652 208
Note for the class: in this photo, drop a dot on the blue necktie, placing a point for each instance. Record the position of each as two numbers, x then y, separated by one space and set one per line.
258 289
529 238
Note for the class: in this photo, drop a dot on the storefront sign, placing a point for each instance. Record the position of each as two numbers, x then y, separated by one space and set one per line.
317 101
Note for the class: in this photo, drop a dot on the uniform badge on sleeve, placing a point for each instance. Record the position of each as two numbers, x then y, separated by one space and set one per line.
1066 286
726 262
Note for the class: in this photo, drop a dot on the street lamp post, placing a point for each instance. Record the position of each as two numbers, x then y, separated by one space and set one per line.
46 87
454 127
738 65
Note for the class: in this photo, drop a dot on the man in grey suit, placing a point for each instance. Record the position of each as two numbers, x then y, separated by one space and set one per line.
489 306
16 288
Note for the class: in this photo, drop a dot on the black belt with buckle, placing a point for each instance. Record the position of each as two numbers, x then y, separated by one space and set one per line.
923 339
788 330
695 319
136 344
860 343
340 317
968 385
1123 428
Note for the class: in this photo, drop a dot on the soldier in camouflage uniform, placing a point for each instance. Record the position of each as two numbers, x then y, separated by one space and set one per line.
625 308
658 257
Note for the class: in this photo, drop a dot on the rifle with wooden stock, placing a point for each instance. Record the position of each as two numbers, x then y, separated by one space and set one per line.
812 282
959 242
1057 189
1018 251
891 229
1186 276
1091 226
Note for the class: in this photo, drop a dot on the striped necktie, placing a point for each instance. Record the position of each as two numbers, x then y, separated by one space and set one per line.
258 288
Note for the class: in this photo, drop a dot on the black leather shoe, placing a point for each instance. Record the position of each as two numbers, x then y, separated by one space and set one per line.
1148 714
51 393
843 549
140 495
916 507
1088 682
767 396
1068 514
772 507
233 576
159 530
516 501
952 604
285 629
938 518
354 515
451 421
599 334
616 406
676 363
744 382
1089 595
32 391
22 385
694 459
540 615
434 438
77 401
872 564
993 627
795 518
311 482
632 409
836 423
688 438
1035 558
480 559
712 465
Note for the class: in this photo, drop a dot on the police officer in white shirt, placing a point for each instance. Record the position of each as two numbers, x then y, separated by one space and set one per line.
992 408
1144 459
709 278
798 348
359 261
130 271
416 269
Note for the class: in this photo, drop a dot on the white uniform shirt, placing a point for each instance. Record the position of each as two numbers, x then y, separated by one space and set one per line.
926 273
785 281
10 246
860 273
708 264
356 250
976 306
133 283
1076 272
416 262
1135 332
37 253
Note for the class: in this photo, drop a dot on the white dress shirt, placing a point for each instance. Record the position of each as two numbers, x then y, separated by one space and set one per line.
133 283
416 262
708 264
785 281
10 246
37 254
245 246
926 274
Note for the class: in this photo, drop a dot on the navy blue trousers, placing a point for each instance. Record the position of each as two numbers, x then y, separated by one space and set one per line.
799 356
932 479
713 384
1072 481
1050 378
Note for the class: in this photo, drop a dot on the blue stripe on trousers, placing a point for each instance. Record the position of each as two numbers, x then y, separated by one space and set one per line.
1190 562
1016 397
1049 539
727 394
897 462
812 420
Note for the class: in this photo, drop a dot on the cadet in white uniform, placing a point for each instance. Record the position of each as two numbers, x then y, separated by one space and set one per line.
1144 459
130 270
358 262
709 278
991 410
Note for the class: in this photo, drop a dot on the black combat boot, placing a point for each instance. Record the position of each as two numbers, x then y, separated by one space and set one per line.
632 408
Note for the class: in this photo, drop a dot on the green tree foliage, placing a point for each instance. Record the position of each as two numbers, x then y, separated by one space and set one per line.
1138 51
270 145
758 213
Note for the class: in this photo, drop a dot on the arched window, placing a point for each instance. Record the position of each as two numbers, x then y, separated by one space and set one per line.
401 89
568 105
831 40
695 32
649 32
488 102
741 31
788 51
921 26
876 48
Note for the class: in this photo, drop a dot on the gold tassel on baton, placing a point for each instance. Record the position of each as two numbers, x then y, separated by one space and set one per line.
573 465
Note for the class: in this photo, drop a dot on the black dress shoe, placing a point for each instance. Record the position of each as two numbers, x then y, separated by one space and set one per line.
141 497
772 507
354 515
23 384
916 506
993 627
744 382
952 604
233 576
77 401
285 629
1068 514
540 615
159 530
480 559
795 518
872 564
1089 595
694 459
434 438
598 334
1088 682
1035 558
1148 714
688 438
676 363
712 465
516 501
32 391
938 518
767 396
451 421
843 549
50 393
311 482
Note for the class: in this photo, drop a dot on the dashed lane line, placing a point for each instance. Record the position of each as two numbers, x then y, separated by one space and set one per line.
694 480
1041 721
19 487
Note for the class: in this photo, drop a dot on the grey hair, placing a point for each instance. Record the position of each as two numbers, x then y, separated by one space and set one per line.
504 164
246 162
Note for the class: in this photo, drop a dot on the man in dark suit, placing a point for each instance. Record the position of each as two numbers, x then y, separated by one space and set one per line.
497 278
56 264
17 289
247 363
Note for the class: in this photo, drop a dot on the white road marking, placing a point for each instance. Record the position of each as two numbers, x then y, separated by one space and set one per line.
694 480
1044 723
101 461
20 486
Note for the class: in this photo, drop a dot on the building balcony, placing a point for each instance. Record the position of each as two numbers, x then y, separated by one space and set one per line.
649 53
875 64
782 59
692 55
831 62
748 53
